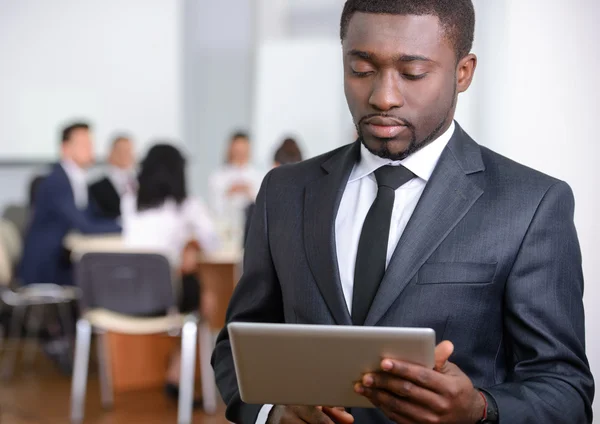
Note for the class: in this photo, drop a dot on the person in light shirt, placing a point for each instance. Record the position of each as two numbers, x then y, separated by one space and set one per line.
120 178
161 216
234 186
415 224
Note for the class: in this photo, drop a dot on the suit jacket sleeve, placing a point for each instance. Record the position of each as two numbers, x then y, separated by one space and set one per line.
104 199
257 298
65 206
544 322
96 205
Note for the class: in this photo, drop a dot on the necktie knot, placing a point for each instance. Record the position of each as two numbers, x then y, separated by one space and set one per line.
393 176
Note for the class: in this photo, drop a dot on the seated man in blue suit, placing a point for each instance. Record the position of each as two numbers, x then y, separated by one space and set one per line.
61 206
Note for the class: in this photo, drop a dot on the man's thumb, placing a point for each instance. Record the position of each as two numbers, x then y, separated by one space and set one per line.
442 353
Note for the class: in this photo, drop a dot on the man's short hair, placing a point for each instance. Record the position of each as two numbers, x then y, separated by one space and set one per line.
240 134
118 138
68 130
457 17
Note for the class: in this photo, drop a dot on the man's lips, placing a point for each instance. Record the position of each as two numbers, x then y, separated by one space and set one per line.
384 127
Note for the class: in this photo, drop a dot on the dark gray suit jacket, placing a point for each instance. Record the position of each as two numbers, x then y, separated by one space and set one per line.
490 260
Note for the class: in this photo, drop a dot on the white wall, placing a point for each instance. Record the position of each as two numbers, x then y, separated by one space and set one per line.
217 80
114 63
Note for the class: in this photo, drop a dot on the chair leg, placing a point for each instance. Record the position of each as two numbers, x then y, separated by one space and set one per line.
33 328
64 313
10 356
106 388
80 370
189 341
1 327
209 390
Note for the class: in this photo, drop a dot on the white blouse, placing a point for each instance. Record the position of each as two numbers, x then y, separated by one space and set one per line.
169 227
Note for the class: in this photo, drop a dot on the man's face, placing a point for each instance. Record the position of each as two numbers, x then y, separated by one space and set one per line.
122 155
239 152
79 148
401 81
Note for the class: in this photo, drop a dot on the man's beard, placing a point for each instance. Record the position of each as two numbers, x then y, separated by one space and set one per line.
414 145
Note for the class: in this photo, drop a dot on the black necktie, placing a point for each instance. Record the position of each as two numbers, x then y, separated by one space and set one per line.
372 246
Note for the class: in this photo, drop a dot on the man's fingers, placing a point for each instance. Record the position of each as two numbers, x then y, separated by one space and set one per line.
404 389
339 415
417 374
443 351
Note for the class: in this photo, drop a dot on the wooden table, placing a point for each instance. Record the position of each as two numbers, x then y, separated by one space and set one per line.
140 362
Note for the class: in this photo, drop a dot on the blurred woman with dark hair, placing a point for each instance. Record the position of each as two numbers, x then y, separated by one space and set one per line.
164 218
287 153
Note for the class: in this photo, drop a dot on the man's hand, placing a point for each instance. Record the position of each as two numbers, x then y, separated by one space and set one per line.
239 189
408 393
309 414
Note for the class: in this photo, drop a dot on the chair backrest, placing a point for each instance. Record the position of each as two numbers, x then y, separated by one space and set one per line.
128 283
80 244
18 215
12 241
6 269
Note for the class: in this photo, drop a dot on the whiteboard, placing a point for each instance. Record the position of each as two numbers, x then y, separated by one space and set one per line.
299 92
113 63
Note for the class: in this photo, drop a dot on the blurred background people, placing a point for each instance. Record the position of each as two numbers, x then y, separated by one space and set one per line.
162 217
60 206
287 153
234 186
120 177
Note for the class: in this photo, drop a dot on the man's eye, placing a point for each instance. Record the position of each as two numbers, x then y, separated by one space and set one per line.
361 74
413 77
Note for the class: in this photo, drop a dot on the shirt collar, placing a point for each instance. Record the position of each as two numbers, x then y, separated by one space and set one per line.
73 170
120 174
421 163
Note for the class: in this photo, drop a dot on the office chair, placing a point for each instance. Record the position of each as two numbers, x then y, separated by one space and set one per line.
118 293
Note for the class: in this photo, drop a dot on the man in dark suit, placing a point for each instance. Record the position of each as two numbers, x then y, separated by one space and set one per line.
286 154
106 193
416 225
61 206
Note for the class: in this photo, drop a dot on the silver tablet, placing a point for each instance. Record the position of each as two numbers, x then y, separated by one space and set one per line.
289 364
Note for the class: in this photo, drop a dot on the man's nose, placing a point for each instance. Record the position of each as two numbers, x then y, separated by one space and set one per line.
386 94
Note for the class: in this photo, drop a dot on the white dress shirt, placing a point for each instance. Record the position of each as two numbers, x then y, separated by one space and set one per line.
78 179
123 180
224 178
359 195
168 228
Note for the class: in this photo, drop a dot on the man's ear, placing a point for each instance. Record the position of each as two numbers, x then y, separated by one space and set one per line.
465 72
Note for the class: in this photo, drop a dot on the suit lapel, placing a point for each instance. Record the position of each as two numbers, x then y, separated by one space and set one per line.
111 189
448 196
66 180
321 203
